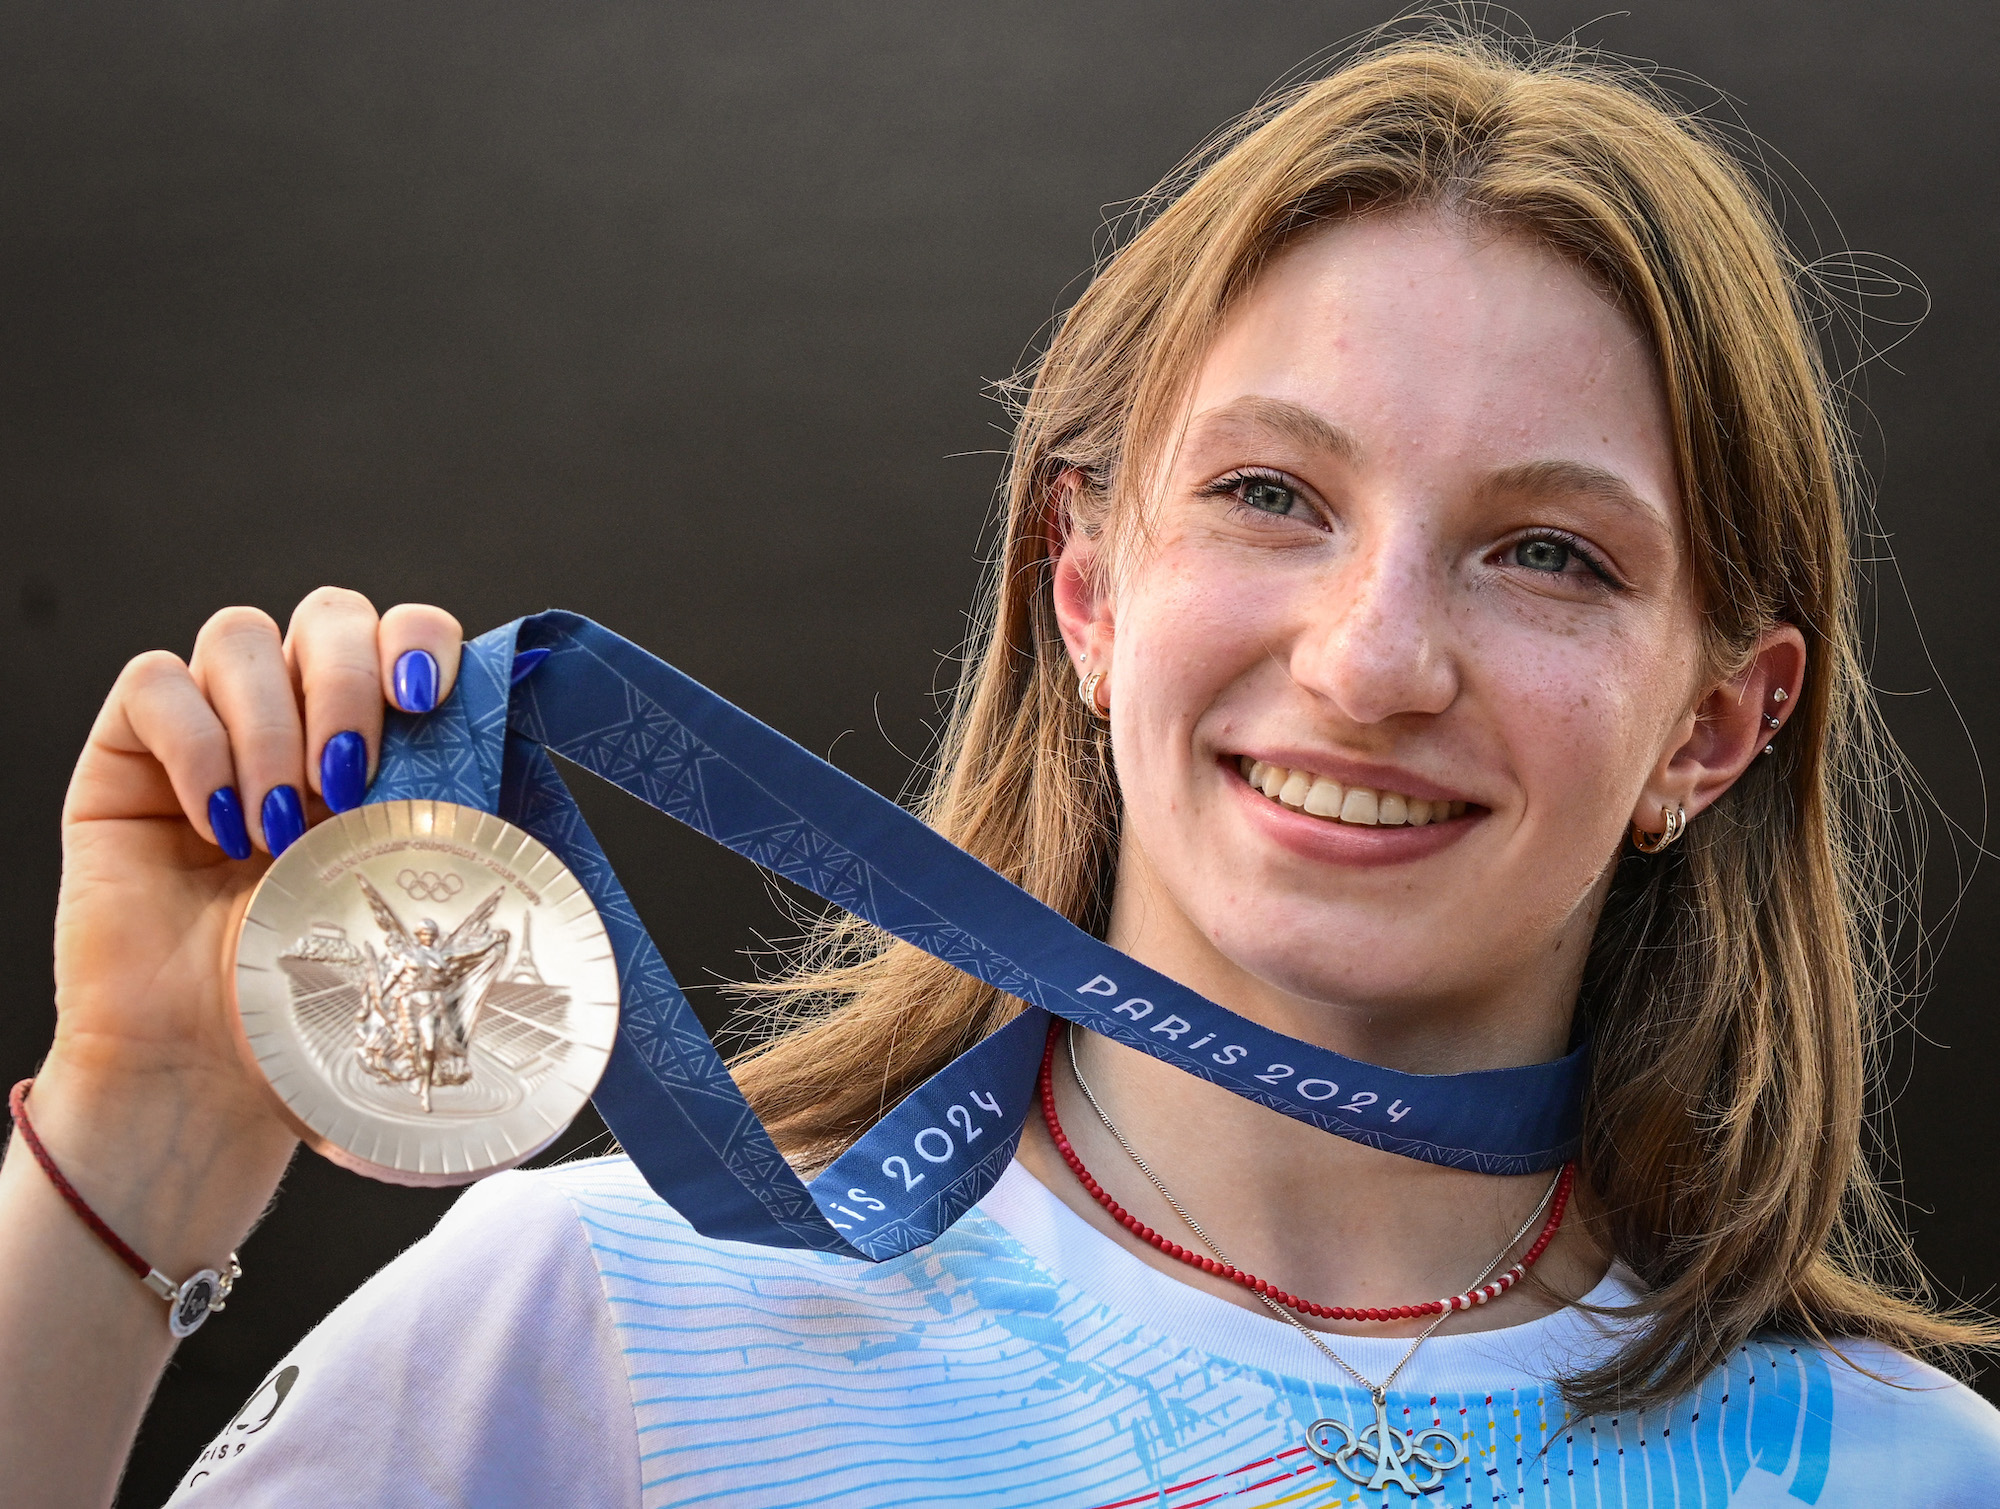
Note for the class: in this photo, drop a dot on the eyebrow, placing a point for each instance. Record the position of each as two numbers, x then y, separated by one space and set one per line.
1301 425
1574 478
1294 421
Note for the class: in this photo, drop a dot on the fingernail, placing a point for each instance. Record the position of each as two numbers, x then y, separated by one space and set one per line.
416 681
524 665
343 771
284 819
225 817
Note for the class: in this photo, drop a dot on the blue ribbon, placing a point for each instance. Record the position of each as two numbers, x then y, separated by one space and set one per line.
602 702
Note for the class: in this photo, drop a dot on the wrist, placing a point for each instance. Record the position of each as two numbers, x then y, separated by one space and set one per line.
171 1158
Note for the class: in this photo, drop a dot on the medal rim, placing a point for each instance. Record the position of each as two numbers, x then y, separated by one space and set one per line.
325 1146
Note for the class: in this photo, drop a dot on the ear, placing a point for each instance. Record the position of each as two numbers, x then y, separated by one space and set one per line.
1727 730
1082 594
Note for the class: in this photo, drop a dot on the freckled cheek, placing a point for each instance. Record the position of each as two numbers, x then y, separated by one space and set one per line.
1573 727
1200 613
1187 643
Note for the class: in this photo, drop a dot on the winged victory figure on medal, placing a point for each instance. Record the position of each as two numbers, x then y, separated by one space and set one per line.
409 1010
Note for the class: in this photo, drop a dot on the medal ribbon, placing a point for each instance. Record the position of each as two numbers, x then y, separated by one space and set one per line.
605 704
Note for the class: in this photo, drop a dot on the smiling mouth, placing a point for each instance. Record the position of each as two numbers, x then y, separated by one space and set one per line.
1325 798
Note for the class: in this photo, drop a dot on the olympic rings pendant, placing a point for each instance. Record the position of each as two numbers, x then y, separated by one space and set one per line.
1387 1455
427 990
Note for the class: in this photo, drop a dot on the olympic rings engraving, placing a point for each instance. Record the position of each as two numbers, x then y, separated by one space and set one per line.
428 885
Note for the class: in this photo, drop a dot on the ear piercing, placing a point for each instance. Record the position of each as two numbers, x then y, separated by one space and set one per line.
1777 696
1086 691
1675 818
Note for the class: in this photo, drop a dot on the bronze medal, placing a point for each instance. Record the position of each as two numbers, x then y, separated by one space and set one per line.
427 989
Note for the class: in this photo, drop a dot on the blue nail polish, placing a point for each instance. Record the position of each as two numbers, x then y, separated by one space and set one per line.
416 681
343 771
524 665
284 819
225 817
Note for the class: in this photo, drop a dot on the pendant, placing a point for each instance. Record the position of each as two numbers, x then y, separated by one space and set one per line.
427 990
1404 1458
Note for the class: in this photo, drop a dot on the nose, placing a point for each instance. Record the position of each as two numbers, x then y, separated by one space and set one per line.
1376 640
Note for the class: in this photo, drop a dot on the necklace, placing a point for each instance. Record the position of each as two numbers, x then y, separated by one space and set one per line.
1416 1461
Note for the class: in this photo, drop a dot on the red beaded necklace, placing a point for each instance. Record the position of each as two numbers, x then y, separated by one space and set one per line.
1461 1301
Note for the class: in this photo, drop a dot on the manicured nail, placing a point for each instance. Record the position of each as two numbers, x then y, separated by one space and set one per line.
416 681
343 771
524 665
225 817
284 819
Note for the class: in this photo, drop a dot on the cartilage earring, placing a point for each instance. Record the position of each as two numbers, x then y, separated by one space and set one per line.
1772 721
1086 691
1778 695
1770 749
1651 843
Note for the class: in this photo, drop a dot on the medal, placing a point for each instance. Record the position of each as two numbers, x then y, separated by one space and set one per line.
428 991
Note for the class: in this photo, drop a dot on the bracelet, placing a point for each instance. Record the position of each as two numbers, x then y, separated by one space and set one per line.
189 1302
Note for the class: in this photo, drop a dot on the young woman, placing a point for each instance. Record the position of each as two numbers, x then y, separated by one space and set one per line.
1440 508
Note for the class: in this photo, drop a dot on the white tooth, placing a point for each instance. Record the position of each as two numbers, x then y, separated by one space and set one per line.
1419 812
1358 807
1458 809
1324 798
1391 810
1272 781
1293 792
1248 766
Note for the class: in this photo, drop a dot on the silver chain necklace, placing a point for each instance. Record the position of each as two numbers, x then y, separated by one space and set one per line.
1389 1452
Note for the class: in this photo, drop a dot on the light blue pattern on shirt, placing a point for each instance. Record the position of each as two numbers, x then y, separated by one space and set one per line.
967 1374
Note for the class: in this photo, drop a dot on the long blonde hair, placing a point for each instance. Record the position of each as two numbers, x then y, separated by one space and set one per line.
1737 982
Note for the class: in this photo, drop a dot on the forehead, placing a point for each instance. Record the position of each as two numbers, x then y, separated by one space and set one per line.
1431 344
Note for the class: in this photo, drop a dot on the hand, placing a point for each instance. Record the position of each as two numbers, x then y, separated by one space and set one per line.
193 774
144 1100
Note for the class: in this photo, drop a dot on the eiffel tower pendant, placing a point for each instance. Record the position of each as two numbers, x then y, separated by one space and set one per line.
1378 1454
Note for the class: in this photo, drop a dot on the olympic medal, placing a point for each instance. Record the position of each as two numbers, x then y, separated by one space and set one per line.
427 990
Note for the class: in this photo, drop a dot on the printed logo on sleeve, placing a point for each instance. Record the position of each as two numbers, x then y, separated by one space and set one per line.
257 1413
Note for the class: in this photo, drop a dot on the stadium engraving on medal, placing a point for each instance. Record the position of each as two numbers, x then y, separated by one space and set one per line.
427 989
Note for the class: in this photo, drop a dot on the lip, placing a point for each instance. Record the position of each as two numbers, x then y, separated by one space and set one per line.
1350 844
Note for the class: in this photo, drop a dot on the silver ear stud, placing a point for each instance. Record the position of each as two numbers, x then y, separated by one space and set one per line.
1771 720
1770 749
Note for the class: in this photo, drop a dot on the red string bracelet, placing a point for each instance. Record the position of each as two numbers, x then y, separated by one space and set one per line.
1461 1301
190 1302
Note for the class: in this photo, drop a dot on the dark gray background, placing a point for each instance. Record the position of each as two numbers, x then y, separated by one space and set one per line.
681 315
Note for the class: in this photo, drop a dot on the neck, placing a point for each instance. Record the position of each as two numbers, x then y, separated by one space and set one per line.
1327 1219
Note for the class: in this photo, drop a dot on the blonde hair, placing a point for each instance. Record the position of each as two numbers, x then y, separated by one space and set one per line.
1738 981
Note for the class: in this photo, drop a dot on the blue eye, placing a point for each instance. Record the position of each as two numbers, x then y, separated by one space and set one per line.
1267 496
1547 555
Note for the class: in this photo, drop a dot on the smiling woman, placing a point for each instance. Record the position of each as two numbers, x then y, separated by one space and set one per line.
1425 626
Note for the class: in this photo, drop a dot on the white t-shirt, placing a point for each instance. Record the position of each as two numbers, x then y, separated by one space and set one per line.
564 1338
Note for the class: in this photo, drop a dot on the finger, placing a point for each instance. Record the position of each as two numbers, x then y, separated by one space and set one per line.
239 664
157 716
331 647
419 655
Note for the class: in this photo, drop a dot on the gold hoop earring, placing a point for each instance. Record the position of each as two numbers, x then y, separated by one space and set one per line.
1652 843
1086 691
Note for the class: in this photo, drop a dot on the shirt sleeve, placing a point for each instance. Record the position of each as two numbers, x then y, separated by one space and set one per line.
479 1368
